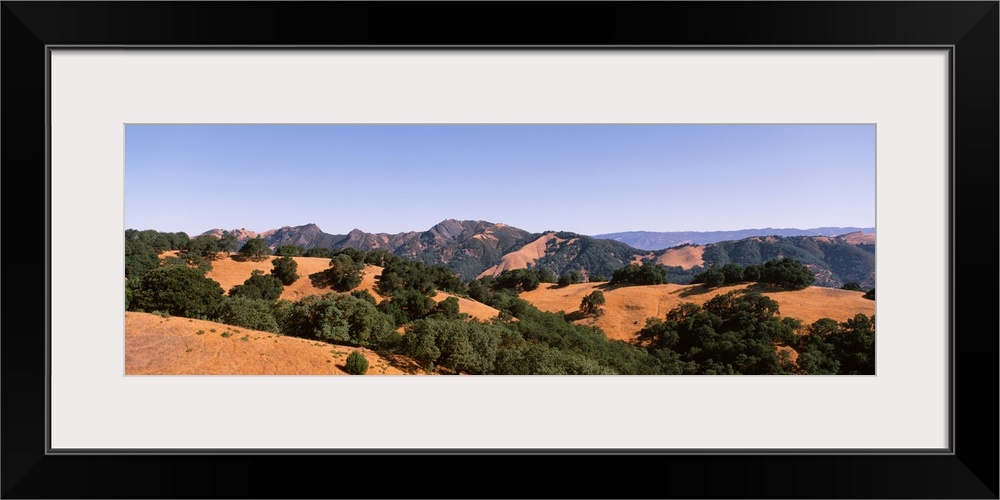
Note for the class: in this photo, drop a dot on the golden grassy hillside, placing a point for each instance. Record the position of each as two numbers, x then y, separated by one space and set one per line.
627 308
528 254
475 309
173 346
685 257
858 238
229 272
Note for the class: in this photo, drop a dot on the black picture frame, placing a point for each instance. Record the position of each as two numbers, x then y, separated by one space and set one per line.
970 28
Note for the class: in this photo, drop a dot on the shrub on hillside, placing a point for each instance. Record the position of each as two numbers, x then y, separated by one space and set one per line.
356 363
591 304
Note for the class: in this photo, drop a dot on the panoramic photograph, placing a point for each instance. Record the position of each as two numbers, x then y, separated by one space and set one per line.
562 249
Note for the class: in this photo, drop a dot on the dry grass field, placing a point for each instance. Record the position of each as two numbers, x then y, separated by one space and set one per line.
229 272
685 257
627 308
475 309
858 238
180 346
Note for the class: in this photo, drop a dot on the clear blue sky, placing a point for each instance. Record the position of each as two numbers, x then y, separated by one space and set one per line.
588 179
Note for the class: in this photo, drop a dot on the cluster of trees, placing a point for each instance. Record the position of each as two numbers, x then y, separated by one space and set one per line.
399 274
522 280
202 250
344 272
291 251
255 249
736 333
845 262
259 286
538 343
188 292
827 347
325 253
730 334
177 290
785 273
570 278
142 249
648 273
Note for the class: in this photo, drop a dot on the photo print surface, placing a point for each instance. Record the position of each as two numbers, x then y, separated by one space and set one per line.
561 249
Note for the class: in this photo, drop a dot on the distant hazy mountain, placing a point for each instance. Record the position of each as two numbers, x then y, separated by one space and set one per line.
649 240
835 260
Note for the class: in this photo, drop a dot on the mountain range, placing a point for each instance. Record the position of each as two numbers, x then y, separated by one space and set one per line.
649 240
479 248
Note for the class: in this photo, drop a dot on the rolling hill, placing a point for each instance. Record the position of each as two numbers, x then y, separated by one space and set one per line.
651 240
627 308
532 342
182 346
230 272
478 248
